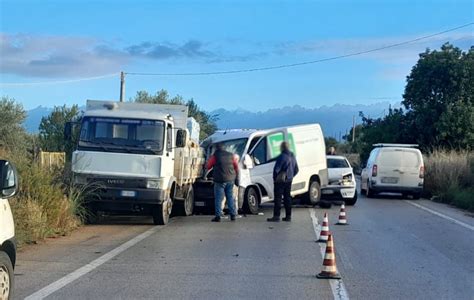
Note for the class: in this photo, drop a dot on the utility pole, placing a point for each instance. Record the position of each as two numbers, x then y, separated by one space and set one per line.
353 128
122 86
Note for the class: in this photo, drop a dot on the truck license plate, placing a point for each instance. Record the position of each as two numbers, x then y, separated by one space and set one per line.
128 193
389 179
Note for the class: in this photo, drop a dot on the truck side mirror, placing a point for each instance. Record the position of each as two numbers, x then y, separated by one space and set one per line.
68 131
8 179
181 138
248 163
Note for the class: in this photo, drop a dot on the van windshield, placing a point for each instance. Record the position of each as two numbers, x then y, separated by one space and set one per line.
122 135
236 146
398 158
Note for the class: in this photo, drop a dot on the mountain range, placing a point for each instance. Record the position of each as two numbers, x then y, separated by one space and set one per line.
335 120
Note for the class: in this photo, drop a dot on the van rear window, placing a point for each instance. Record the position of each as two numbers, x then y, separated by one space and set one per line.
397 158
334 163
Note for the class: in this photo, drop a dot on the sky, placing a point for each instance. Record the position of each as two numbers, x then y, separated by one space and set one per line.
64 52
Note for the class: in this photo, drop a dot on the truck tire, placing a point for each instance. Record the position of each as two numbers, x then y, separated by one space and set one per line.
7 279
161 213
186 207
352 201
314 193
251 201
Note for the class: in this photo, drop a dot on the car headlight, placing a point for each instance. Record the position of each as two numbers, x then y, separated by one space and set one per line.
347 177
155 183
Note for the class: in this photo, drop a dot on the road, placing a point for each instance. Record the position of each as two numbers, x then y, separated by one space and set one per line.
392 249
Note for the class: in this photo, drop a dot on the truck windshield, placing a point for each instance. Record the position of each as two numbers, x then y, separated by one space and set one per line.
122 135
236 146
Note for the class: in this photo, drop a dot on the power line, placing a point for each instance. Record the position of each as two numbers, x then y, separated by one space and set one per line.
301 63
58 81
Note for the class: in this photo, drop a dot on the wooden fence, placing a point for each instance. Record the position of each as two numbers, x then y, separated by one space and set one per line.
51 160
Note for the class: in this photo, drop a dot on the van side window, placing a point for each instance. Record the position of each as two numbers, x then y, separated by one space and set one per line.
259 154
169 138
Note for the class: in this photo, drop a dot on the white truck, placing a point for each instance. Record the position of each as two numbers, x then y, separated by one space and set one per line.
137 159
257 150
8 188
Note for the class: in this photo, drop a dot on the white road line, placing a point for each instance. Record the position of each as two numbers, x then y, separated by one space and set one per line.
60 283
337 285
465 225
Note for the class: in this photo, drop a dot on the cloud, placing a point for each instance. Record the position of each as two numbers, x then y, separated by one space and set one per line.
190 49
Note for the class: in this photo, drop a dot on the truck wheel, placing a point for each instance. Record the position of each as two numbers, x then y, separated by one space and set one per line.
161 213
251 201
314 193
351 201
186 207
6 277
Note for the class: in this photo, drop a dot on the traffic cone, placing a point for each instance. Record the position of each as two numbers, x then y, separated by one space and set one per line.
323 236
342 216
329 264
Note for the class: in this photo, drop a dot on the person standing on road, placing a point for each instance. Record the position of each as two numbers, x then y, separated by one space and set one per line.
226 170
284 171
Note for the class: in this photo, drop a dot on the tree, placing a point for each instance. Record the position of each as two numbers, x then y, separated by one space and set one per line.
51 129
206 121
439 97
12 134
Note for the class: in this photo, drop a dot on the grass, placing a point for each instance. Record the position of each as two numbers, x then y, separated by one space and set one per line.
449 177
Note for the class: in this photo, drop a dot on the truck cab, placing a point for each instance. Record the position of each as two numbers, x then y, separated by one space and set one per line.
8 188
137 158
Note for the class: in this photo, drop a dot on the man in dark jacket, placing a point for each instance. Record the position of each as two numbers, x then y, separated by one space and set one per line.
285 169
226 170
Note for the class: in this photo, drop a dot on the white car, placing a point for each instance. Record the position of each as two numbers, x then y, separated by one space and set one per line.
342 184
8 187
393 168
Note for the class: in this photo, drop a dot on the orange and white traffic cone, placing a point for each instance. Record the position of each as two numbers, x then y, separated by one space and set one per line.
323 236
329 264
342 216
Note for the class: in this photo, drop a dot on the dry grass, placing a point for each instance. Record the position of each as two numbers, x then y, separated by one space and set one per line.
450 177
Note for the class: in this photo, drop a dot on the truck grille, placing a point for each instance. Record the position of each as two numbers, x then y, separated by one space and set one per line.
118 182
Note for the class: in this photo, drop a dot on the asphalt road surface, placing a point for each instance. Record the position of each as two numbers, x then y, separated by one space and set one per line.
392 249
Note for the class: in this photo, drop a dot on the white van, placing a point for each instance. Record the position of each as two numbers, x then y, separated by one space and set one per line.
393 168
258 150
8 187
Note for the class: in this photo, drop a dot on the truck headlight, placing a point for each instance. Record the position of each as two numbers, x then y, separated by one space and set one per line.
155 184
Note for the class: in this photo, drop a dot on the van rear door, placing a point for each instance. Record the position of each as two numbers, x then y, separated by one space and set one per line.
398 167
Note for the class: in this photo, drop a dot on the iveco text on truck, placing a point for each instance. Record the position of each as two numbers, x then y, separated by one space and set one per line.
138 158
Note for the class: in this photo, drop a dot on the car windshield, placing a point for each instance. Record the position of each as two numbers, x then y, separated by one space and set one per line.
120 134
236 146
337 163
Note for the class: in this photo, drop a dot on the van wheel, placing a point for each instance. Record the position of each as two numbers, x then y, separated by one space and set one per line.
251 201
186 207
314 193
161 213
351 201
369 193
6 277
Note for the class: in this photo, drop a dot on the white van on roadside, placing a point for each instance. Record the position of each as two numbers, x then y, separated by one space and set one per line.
393 168
258 150
8 188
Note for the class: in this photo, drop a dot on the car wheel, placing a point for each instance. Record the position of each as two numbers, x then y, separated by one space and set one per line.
161 213
351 201
251 201
186 207
369 193
6 277
314 193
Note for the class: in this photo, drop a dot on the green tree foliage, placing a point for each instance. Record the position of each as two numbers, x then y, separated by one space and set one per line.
51 129
12 134
439 98
206 121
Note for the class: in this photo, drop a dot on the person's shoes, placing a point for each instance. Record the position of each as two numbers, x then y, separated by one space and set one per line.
232 218
287 219
273 219
216 219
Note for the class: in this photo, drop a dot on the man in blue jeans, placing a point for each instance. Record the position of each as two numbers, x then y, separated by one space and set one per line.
225 174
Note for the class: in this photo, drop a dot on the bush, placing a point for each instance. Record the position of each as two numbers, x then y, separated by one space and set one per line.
449 177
